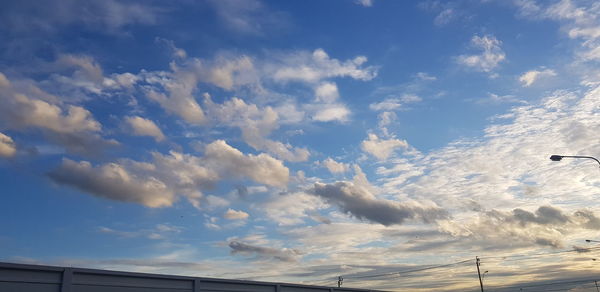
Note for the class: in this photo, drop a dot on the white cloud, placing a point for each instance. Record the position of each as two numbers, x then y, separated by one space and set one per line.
425 77
380 148
160 182
489 59
180 85
327 92
529 77
256 124
316 66
70 126
445 17
261 168
291 208
144 127
231 214
331 112
334 166
390 104
365 3
114 182
7 146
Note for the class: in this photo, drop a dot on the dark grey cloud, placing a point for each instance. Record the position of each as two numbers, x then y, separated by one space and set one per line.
285 254
360 203
113 181
546 226
544 215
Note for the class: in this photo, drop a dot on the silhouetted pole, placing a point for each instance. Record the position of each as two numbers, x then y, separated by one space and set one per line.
597 286
479 273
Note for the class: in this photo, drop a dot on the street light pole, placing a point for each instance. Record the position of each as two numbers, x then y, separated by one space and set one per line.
560 157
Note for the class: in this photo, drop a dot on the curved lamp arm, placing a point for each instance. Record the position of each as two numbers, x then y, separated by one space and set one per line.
560 157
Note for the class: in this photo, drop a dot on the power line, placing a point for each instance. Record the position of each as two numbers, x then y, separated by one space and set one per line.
526 256
544 284
406 271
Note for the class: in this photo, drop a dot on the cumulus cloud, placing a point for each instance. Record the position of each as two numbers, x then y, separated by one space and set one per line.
70 126
529 77
256 124
327 92
316 66
331 113
160 182
144 127
179 100
334 166
360 203
231 214
113 181
262 168
489 59
284 254
381 148
7 146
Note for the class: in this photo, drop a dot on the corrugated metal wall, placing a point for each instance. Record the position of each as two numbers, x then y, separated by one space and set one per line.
34 278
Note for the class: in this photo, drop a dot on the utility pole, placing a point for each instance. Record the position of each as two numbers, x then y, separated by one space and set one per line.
479 273
340 280
596 282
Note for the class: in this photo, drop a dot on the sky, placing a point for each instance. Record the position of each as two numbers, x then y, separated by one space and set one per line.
388 142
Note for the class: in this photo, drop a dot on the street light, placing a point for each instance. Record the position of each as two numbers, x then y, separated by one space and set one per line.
591 240
560 157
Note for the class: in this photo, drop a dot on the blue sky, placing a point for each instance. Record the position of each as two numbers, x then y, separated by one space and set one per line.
302 140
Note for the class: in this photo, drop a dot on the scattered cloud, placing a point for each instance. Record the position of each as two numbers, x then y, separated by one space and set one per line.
391 104
248 17
70 126
231 214
256 124
113 181
110 16
291 208
381 148
331 113
529 77
365 3
316 66
445 17
489 59
327 92
360 203
159 183
334 166
144 127
160 231
7 146
284 254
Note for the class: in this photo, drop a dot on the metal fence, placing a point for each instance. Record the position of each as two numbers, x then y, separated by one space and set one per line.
36 278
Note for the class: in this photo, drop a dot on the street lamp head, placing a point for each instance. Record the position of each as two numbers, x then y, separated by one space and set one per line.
588 240
556 157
